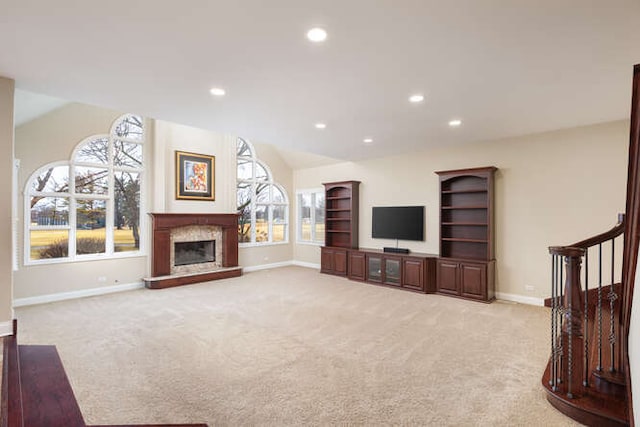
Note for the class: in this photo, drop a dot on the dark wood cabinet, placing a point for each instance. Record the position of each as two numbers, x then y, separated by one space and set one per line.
473 280
392 270
374 268
466 233
415 271
341 227
341 214
415 274
448 281
467 279
357 265
333 261
384 269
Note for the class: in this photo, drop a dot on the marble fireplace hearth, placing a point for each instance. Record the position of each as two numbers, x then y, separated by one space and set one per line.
212 239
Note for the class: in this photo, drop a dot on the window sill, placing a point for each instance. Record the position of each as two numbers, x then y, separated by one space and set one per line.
307 243
258 245
84 258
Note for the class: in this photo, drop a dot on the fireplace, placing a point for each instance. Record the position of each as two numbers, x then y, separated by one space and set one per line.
200 252
187 237
191 248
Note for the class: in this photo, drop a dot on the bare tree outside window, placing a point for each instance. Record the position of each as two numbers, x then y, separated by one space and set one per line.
107 173
262 204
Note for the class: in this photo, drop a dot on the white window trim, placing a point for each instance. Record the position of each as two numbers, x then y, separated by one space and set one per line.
253 182
110 252
299 240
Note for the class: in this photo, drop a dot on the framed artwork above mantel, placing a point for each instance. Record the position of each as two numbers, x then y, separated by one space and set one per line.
195 176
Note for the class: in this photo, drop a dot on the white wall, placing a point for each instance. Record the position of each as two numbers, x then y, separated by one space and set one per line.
6 172
171 137
551 189
53 137
49 138
283 175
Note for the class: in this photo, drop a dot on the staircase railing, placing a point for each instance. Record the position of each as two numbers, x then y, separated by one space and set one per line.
585 316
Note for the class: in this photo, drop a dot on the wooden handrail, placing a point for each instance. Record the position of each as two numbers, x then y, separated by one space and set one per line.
569 367
617 230
568 251
606 393
578 249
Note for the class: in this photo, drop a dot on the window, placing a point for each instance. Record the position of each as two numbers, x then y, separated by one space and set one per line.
262 203
310 225
88 206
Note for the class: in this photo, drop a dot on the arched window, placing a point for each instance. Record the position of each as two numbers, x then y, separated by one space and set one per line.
88 207
262 203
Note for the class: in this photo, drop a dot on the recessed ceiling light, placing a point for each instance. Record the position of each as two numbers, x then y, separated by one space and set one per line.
216 91
320 125
416 98
455 123
317 35
367 140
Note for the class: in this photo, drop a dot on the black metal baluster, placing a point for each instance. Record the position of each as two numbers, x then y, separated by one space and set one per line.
570 354
553 380
612 298
585 380
561 318
599 367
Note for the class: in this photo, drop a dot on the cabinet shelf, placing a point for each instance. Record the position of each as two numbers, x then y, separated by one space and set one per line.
454 239
475 224
478 190
466 267
341 222
464 207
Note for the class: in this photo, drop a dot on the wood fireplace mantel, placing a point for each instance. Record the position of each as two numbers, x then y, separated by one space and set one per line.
163 223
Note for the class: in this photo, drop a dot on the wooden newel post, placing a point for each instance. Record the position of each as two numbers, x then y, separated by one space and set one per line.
573 301
572 314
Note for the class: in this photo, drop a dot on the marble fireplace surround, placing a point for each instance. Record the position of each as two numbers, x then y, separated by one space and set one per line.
195 233
169 228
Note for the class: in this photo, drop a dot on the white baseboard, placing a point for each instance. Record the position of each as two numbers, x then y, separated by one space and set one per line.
306 264
43 299
6 328
267 266
520 299
281 264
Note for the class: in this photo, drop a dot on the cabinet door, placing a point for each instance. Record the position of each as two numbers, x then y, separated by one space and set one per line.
392 270
447 279
340 262
413 274
357 265
473 280
326 260
374 268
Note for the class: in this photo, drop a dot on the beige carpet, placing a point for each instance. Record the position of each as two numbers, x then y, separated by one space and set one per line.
290 346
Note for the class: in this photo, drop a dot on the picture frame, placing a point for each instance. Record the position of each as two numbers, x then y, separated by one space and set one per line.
195 176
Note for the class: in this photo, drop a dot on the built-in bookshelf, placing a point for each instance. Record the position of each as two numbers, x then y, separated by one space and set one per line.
466 233
341 214
341 225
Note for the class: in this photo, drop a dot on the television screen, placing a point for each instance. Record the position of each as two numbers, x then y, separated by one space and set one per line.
398 222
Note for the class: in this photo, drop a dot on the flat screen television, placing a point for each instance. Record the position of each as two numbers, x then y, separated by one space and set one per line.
398 222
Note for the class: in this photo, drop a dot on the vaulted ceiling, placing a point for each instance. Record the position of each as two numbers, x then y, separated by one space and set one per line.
503 67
